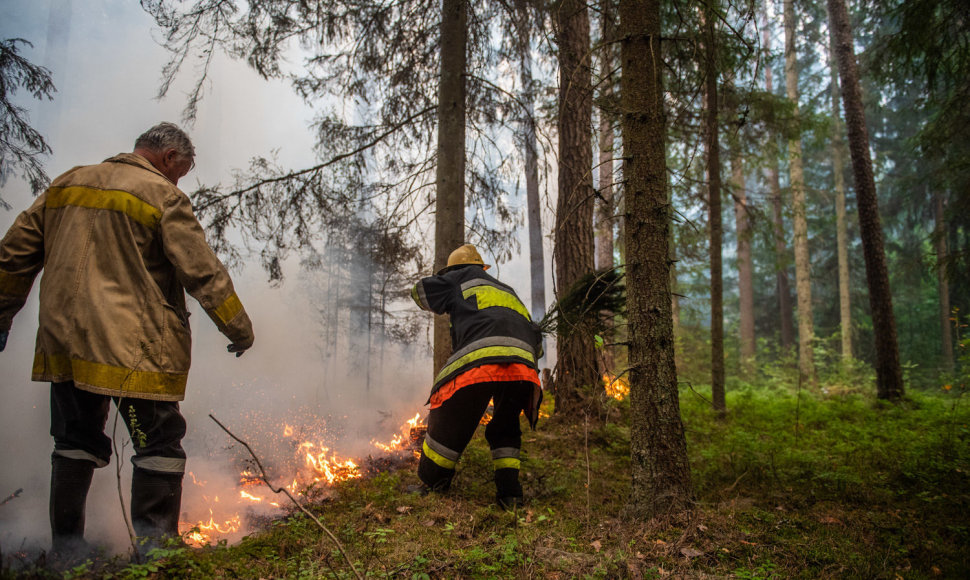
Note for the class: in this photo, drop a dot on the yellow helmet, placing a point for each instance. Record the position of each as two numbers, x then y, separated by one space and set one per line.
466 254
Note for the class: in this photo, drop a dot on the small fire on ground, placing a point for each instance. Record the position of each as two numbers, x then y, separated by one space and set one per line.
312 469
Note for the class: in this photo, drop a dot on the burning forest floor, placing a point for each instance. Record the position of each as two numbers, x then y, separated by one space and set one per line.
788 486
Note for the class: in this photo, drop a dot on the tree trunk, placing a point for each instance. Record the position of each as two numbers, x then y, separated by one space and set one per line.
745 267
536 257
661 473
450 176
889 376
842 234
946 327
576 372
715 227
604 201
803 276
786 324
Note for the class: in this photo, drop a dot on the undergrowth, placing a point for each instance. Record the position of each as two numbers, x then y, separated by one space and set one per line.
824 483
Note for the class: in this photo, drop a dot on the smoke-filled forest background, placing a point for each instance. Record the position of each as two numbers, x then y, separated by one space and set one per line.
780 184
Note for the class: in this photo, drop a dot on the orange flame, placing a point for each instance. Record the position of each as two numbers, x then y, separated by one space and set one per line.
616 387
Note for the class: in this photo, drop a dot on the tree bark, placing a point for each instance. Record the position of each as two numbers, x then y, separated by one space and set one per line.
605 209
786 326
803 276
889 376
745 267
661 473
946 326
450 172
536 255
842 233
715 226
576 372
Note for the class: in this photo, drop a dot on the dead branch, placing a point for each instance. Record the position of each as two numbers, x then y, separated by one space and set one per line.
284 491
12 496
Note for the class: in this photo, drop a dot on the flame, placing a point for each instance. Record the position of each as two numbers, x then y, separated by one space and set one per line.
249 496
402 440
616 387
201 533
287 430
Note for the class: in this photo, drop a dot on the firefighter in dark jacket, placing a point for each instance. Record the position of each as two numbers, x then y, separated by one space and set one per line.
495 346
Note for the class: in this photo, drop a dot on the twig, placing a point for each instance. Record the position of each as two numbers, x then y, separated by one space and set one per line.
588 475
12 496
286 492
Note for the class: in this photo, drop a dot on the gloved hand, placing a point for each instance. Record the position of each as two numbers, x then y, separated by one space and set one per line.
239 350
3 339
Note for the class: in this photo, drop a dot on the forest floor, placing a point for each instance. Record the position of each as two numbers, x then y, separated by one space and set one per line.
827 484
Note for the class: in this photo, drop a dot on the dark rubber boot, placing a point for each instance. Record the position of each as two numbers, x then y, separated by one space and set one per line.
70 482
156 501
508 491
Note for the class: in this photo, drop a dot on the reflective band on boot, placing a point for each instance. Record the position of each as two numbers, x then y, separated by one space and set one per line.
160 464
440 454
505 457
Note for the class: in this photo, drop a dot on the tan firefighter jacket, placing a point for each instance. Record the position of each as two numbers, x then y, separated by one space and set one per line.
119 246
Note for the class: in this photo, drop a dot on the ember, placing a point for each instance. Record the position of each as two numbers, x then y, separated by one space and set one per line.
616 387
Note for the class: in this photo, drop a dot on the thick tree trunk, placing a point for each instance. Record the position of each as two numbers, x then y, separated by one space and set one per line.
576 372
536 256
946 326
745 267
715 228
842 233
661 473
889 376
803 275
786 324
450 176
605 209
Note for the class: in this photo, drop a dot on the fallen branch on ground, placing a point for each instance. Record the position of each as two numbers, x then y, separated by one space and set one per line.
12 496
262 475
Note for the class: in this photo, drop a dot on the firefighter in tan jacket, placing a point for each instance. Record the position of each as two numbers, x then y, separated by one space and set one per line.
119 246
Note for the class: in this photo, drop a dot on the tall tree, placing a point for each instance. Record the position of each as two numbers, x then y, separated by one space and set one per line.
803 276
745 264
939 239
841 227
576 371
605 205
450 176
530 150
714 220
889 376
660 469
786 323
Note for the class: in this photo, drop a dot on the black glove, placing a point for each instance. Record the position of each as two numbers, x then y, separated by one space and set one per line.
239 350
3 339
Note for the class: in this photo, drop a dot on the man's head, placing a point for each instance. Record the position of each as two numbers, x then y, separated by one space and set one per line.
167 148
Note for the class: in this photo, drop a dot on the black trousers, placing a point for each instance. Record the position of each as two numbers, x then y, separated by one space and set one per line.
452 425
79 418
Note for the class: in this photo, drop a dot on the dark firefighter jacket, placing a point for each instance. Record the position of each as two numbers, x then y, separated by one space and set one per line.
119 246
489 324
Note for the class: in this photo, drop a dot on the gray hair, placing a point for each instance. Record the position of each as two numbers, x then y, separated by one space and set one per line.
166 136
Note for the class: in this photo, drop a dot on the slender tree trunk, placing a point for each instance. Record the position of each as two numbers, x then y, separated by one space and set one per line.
715 227
803 276
946 327
576 372
889 376
604 203
661 473
745 266
842 233
786 323
450 177
536 258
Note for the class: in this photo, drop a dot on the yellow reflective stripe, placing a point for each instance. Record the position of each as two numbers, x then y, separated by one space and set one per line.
13 285
489 296
437 457
228 310
109 199
484 353
505 462
108 377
